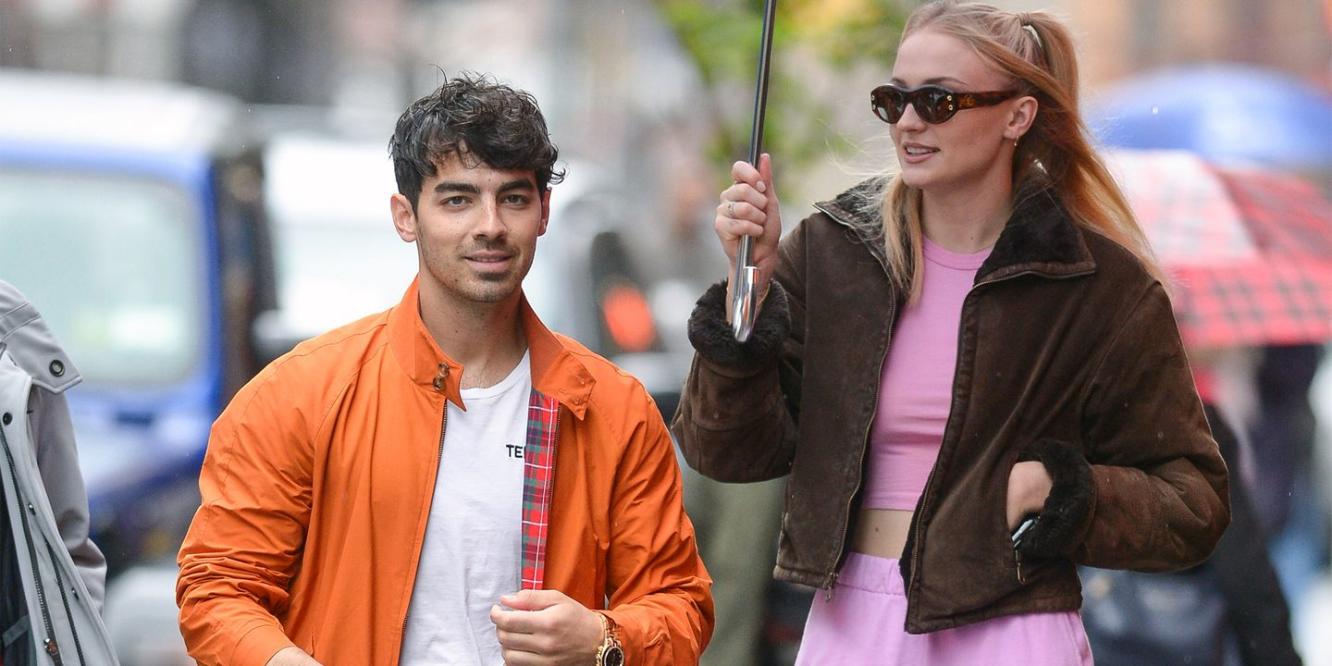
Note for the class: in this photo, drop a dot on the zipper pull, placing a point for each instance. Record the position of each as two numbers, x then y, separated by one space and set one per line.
440 377
51 647
828 592
1018 557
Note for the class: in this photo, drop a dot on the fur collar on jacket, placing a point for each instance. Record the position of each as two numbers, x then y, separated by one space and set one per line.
1040 234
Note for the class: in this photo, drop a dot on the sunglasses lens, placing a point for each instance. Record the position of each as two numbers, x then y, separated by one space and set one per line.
934 104
888 103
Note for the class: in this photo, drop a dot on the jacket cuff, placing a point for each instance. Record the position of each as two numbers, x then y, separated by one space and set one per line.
712 337
1067 512
259 644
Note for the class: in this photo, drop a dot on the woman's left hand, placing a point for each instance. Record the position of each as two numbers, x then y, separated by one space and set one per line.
1028 486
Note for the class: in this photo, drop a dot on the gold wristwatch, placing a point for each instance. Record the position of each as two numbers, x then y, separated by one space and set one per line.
610 653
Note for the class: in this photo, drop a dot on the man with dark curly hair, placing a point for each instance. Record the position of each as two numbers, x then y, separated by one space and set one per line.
447 482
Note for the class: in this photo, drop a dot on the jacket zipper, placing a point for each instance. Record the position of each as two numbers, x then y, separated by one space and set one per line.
64 600
917 520
860 479
559 418
831 580
49 644
439 457
916 536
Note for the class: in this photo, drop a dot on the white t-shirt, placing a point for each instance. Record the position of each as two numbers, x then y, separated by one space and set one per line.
471 553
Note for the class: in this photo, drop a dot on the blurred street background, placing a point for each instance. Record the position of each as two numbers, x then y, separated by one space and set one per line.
190 187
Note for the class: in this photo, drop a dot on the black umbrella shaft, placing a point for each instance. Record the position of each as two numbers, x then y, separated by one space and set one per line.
761 94
744 296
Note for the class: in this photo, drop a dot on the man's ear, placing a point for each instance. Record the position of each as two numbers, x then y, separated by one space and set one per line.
1020 120
404 218
545 212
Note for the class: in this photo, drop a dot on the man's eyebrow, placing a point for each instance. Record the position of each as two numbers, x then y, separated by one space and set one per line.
451 186
517 184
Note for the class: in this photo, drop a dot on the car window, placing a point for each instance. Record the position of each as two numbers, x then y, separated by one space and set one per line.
114 265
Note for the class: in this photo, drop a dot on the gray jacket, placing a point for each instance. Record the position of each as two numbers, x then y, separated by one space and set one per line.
44 514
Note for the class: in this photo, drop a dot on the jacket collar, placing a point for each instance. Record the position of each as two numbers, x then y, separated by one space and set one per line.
1040 236
556 371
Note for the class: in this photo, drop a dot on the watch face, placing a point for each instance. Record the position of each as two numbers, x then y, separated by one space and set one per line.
614 656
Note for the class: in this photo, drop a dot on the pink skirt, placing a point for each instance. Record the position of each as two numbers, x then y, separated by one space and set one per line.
864 624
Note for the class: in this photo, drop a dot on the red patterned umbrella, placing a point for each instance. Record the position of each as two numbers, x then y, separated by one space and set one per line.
1248 251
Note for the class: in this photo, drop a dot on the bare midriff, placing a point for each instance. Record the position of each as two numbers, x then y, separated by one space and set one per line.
881 532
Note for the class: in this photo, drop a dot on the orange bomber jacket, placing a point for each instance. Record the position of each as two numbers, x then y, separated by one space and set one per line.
319 476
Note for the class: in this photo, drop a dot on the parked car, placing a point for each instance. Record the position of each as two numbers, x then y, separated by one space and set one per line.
130 213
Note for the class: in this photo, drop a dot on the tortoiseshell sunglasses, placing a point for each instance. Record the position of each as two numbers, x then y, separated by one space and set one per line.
934 104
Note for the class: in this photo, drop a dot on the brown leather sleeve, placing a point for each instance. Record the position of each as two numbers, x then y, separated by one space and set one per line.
737 419
1161 499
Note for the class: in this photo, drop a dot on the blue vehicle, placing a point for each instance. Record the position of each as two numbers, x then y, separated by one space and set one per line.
131 214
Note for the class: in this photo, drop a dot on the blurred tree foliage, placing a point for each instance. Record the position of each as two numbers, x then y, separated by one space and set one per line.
723 38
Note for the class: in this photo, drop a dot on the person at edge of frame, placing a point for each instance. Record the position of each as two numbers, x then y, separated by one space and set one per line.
52 575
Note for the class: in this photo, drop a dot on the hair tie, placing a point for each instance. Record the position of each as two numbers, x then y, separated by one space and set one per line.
1034 35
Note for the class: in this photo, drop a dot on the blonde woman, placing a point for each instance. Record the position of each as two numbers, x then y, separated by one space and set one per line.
942 354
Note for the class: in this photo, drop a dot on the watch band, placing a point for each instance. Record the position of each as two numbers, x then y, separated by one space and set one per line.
610 653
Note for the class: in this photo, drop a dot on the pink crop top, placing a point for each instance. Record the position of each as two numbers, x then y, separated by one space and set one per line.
916 383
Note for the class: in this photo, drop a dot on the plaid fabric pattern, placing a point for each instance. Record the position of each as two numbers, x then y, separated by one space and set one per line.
1182 207
1248 252
543 420
1263 302
1285 216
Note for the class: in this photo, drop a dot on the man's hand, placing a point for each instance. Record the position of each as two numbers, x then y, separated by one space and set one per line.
546 628
292 656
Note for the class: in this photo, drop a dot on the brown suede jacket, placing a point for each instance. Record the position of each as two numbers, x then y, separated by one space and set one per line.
1068 353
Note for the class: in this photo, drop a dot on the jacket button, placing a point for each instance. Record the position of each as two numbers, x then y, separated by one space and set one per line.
8 418
57 368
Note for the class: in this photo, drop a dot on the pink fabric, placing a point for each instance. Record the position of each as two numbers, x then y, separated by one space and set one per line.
917 382
865 621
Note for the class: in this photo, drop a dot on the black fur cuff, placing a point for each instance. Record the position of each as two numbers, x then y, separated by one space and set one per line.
712 338
1069 505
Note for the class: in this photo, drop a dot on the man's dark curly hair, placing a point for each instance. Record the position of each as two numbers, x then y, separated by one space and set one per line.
481 122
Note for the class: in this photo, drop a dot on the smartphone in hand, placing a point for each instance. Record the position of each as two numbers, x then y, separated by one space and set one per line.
1024 528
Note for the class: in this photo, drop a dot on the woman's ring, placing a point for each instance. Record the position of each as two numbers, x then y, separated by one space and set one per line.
730 209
